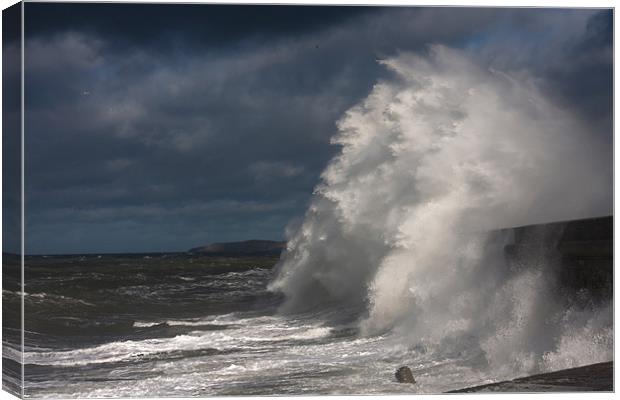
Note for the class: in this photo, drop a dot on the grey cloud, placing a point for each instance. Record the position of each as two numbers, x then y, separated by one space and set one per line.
115 131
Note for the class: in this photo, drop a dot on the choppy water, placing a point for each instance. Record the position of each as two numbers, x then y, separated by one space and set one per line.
178 325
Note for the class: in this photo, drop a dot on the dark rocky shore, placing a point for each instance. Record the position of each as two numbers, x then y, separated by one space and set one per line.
590 378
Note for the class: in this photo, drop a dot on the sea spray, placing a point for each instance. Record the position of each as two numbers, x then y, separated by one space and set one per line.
443 152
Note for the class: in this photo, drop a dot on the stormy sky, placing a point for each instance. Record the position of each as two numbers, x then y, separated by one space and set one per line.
163 127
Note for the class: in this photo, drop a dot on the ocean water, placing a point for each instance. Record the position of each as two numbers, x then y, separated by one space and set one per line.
163 325
182 325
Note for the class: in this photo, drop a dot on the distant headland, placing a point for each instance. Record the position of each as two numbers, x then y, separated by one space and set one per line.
247 247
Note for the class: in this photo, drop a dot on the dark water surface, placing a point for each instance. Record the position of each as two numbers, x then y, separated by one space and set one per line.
181 325
83 300
157 325
89 317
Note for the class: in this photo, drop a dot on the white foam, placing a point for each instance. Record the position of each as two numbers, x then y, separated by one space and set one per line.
445 150
139 324
116 351
243 332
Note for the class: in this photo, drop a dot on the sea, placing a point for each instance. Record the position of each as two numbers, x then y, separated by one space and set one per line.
185 325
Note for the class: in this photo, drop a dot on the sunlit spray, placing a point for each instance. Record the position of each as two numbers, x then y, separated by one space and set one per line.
436 156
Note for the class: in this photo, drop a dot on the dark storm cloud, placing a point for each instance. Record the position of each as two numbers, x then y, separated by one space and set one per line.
571 54
213 123
176 27
11 130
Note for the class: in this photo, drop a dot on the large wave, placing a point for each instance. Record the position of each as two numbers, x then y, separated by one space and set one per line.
444 151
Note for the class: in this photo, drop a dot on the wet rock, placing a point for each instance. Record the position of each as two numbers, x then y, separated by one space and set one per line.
404 375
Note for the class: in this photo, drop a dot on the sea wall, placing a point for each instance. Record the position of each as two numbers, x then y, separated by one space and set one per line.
580 253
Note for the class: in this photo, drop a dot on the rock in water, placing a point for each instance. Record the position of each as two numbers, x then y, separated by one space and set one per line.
404 375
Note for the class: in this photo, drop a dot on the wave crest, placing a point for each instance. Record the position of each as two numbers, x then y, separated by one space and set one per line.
444 151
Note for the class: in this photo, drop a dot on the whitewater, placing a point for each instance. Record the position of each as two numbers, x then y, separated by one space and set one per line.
435 159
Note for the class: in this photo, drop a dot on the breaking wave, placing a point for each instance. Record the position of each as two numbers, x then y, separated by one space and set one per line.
444 151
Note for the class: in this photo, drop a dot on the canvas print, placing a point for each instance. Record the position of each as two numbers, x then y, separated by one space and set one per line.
208 200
